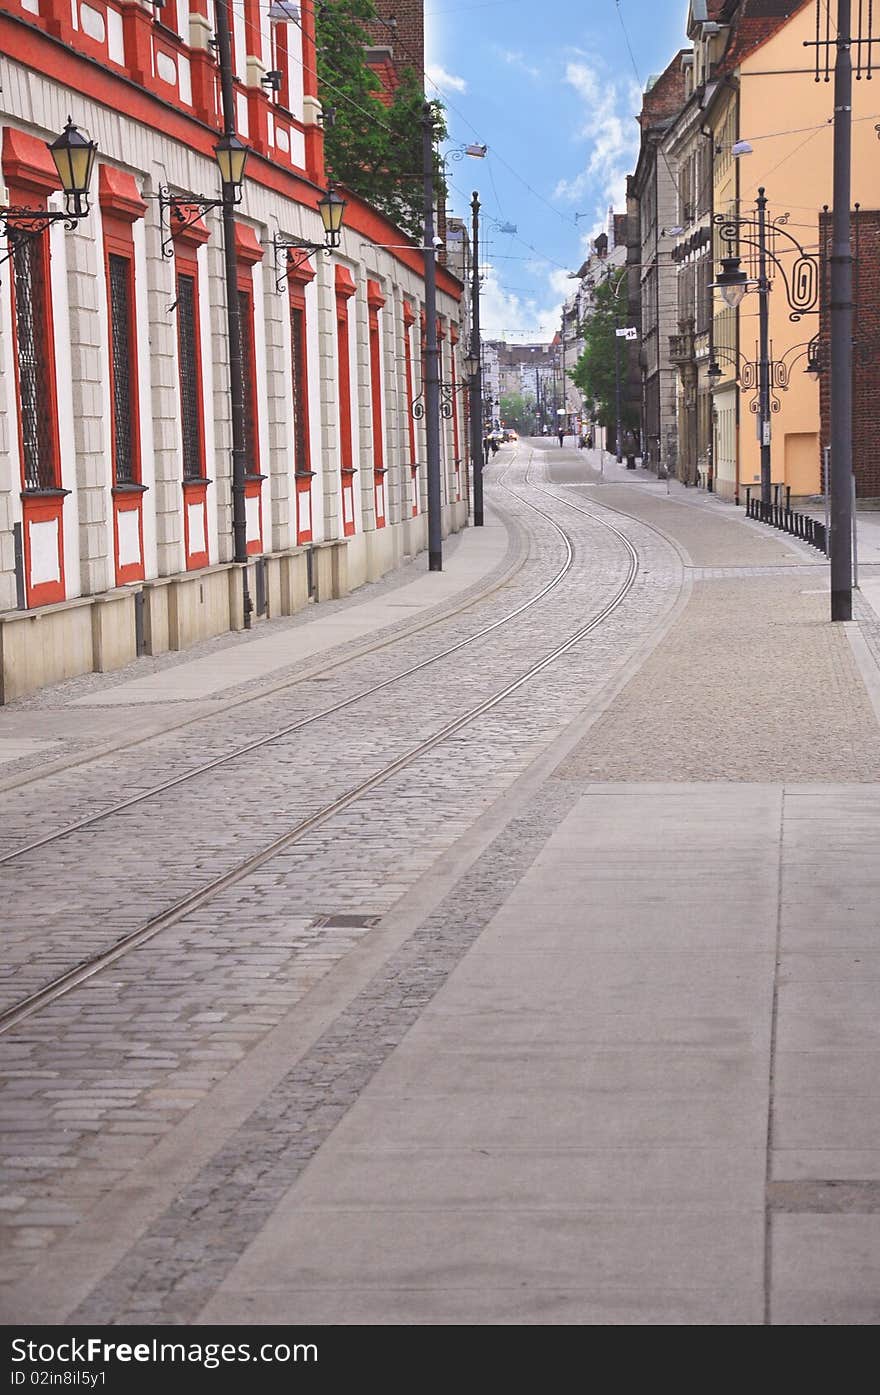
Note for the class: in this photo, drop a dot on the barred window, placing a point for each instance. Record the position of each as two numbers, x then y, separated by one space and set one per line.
189 377
247 380
297 337
119 270
34 363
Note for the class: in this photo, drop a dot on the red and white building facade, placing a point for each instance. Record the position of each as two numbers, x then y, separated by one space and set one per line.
115 436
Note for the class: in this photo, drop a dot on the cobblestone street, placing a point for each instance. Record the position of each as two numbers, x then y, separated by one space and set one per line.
497 946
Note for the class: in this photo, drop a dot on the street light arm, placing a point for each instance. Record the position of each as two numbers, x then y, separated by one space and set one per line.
801 282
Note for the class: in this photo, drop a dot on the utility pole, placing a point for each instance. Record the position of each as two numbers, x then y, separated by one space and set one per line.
233 317
841 327
619 425
476 387
763 351
562 352
432 356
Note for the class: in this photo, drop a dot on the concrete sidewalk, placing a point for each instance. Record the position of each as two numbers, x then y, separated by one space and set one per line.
648 1092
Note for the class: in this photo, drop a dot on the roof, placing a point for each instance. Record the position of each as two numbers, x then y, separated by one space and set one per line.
665 97
752 23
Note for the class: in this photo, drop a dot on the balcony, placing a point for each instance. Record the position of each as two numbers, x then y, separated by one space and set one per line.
681 346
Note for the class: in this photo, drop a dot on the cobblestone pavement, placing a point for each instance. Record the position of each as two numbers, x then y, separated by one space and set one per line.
141 1043
157 1116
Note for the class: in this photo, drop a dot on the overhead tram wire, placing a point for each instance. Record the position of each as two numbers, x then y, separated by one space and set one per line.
371 116
420 69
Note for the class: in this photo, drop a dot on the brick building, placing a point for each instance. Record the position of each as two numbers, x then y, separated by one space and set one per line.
865 234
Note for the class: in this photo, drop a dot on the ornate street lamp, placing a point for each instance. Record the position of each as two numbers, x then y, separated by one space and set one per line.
74 158
801 282
332 210
471 364
732 282
231 157
291 252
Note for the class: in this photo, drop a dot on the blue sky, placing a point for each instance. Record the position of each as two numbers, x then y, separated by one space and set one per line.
552 90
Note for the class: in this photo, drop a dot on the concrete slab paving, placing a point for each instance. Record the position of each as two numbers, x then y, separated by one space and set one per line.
549 1047
826 1270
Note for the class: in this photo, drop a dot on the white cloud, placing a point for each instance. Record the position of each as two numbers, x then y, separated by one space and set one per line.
506 314
611 134
514 59
434 72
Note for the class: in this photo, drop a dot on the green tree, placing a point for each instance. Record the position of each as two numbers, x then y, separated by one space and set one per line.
373 149
594 371
518 411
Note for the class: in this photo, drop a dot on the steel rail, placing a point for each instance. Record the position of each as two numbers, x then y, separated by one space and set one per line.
65 982
291 727
406 631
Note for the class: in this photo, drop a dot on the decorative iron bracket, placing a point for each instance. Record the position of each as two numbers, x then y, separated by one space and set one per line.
447 400
177 212
21 224
801 281
292 252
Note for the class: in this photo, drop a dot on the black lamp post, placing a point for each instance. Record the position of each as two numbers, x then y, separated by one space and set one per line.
802 292
476 377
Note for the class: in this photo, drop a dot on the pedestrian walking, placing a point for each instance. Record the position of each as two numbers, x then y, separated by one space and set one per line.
629 449
561 434
486 448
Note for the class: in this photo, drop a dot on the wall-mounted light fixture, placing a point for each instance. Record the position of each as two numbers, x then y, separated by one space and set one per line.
74 158
231 156
291 252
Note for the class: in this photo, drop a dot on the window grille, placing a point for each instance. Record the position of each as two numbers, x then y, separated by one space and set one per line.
189 377
34 363
297 336
121 351
247 379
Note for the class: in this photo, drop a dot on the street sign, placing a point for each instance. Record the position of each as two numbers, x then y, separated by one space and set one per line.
629 333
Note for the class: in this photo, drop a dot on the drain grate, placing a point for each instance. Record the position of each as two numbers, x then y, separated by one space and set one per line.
348 921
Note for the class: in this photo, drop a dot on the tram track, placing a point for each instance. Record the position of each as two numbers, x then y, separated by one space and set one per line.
307 674
64 982
290 728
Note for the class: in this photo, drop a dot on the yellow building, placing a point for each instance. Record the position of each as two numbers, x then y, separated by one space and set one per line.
760 89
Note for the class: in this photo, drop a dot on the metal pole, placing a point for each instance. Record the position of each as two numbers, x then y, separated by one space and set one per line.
619 427
826 477
233 318
855 534
841 327
476 388
562 373
432 353
763 350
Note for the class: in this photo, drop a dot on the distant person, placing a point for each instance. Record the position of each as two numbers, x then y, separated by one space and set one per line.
629 449
561 435
486 449
545 430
